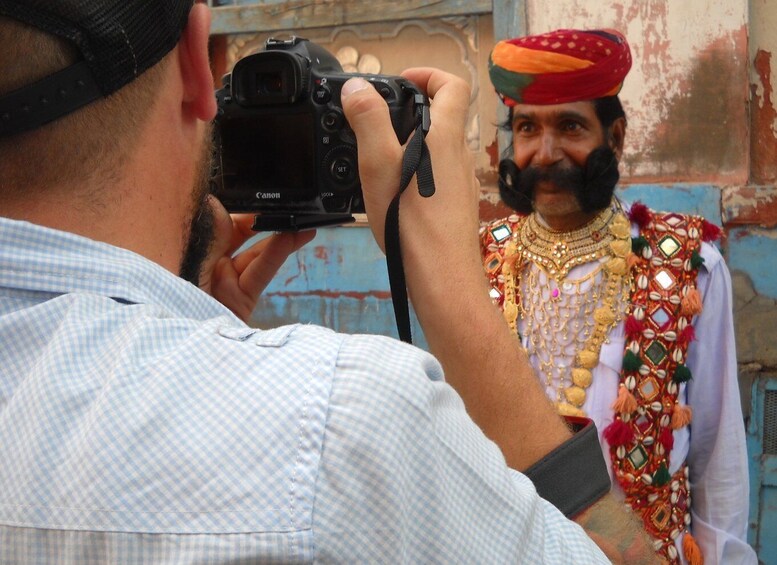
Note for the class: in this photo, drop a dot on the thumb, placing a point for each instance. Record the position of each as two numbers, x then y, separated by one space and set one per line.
379 150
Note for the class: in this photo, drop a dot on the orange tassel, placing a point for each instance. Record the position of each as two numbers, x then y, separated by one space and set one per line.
625 403
681 416
632 260
691 303
691 550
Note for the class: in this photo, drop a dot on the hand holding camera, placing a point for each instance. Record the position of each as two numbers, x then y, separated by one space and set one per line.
284 149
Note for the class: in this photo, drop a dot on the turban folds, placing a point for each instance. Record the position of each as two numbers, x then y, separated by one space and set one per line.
560 66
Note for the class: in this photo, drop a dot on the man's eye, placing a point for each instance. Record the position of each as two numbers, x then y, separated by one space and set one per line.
570 126
524 127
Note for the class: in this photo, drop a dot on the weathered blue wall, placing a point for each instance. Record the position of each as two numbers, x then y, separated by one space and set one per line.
340 281
701 199
754 251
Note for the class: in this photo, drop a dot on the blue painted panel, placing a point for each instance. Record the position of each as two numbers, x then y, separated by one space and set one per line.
755 253
341 313
700 199
340 281
342 259
754 438
762 527
767 536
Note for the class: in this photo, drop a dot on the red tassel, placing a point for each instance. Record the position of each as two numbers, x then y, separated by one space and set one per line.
709 231
625 403
618 433
687 335
681 416
633 327
666 438
691 550
640 214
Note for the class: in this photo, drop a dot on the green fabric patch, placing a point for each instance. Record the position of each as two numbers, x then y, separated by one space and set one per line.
508 83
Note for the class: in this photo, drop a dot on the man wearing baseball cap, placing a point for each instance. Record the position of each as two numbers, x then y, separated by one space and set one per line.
625 312
142 420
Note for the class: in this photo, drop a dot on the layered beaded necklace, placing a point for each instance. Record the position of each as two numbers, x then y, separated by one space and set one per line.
566 320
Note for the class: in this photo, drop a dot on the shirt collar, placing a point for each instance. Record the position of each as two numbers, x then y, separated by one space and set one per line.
36 258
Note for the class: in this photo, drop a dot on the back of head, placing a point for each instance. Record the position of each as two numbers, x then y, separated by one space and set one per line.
77 80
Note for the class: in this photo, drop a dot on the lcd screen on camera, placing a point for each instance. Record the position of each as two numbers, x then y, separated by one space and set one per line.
270 154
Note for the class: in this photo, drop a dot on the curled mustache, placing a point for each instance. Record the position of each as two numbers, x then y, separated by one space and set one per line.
593 185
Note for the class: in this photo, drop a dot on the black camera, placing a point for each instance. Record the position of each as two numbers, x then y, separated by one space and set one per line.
283 147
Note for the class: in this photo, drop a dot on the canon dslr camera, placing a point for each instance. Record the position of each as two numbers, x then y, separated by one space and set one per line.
283 147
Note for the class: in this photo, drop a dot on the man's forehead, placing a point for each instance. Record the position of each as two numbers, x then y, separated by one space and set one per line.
584 110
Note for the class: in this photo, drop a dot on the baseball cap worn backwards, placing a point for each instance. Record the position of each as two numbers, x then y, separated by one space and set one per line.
560 66
117 39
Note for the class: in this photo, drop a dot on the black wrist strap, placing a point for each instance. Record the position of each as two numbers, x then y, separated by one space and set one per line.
416 161
574 475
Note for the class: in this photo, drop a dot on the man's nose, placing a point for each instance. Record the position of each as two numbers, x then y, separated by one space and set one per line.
548 151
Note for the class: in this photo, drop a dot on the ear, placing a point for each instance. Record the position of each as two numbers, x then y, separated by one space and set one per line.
617 137
198 96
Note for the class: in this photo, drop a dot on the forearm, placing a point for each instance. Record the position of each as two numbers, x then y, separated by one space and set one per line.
486 365
618 532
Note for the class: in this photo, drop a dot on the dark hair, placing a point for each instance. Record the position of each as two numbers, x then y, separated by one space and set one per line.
608 109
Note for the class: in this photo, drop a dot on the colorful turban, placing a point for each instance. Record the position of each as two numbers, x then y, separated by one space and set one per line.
560 66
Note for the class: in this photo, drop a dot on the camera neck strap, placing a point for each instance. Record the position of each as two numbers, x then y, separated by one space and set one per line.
418 162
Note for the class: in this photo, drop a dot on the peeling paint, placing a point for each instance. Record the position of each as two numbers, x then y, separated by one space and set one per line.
301 270
754 251
705 125
322 253
491 207
668 40
764 234
764 122
750 205
493 154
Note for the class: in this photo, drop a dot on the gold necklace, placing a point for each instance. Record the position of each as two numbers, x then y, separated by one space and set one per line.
557 251
599 299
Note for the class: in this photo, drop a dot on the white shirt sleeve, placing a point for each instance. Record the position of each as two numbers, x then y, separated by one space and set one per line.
717 454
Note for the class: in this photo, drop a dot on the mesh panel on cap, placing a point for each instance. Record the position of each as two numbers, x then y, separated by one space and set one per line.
118 38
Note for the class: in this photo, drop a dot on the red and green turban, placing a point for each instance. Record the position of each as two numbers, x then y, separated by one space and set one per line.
560 66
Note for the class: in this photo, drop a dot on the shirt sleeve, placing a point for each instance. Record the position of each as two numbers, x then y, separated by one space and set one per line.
406 476
717 455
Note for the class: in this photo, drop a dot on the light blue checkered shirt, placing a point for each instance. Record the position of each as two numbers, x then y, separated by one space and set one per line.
141 422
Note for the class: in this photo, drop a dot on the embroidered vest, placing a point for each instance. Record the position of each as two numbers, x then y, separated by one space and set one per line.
663 300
